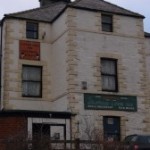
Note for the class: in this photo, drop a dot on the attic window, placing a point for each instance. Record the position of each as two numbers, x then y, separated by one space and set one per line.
107 23
32 30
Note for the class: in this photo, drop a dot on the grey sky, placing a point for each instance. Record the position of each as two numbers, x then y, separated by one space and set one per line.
140 6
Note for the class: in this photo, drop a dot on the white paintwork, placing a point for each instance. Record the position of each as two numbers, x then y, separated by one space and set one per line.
49 121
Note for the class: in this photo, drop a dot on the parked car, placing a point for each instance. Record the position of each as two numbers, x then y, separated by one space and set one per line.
137 142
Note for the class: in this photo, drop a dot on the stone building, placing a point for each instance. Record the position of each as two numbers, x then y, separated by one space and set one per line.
67 66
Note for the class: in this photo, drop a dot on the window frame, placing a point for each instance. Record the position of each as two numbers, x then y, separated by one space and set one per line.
33 31
105 23
111 75
40 82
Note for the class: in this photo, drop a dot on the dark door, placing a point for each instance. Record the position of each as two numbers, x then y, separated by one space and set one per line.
111 128
41 130
41 136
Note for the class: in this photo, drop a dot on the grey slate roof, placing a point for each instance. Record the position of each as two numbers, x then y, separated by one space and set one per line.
45 14
101 5
51 12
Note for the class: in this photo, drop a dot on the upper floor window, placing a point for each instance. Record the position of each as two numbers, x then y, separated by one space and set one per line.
107 23
32 81
32 30
109 74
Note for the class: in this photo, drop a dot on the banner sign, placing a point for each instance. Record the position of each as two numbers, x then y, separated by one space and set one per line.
110 102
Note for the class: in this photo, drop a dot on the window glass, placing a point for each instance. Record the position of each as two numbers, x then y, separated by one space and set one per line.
107 18
134 139
109 74
108 67
107 27
32 30
108 83
32 81
128 139
107 23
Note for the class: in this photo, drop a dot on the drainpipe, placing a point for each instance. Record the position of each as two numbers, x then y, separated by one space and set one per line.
1 42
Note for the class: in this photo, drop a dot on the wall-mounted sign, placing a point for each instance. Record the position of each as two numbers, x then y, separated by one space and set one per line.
110 102
29 50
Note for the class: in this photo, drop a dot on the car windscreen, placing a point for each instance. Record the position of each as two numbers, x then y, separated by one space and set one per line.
129 138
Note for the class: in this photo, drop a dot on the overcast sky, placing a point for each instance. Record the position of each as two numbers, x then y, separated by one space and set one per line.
140 6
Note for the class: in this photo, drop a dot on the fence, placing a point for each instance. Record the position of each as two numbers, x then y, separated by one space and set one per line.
46 144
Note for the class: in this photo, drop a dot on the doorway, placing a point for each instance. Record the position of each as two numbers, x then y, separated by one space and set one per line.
111 127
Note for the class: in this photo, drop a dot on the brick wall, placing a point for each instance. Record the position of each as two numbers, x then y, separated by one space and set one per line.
10 128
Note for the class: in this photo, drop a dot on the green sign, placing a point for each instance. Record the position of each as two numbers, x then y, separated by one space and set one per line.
110 102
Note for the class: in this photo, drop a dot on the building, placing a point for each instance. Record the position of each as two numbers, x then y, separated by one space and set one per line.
66 66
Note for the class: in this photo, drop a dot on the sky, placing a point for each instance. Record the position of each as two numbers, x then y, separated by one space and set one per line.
139 6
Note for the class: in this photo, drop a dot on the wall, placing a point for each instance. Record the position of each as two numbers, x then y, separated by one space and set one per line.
59 64
125 43
15 30
147 59
70 53
13 127
53 49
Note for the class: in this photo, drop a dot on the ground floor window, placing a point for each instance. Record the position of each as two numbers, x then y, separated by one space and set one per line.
52 128
49 131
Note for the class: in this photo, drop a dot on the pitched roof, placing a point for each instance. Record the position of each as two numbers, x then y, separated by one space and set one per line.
147 35
50 12
101 5
45 14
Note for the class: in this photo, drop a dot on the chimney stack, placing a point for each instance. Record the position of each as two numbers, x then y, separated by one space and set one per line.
48 2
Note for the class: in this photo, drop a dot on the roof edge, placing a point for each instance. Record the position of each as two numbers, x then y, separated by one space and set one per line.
122 14
125 9
37 114
22 18
147 35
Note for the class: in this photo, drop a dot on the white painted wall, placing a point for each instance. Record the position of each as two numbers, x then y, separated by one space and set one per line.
59 83
59 64
90 42
124 43
59 27
147 48
86 20
129 26
14 31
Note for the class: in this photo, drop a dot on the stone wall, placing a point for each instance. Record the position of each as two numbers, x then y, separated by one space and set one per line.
88 44
12 66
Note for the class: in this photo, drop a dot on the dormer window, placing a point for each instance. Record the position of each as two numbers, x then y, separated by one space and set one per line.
32 30
107 23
